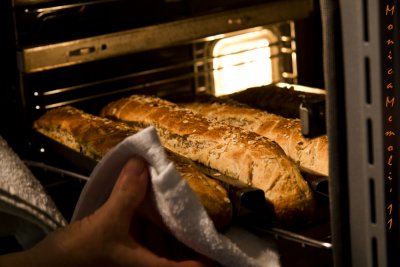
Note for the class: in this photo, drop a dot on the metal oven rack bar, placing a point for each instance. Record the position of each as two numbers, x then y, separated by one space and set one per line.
33 59
322 241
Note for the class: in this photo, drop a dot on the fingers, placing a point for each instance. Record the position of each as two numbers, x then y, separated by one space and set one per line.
129 191
116 215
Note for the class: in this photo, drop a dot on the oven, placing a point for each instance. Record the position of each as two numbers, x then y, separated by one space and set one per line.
334 63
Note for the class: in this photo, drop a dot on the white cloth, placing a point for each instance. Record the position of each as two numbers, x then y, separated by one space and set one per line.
26 211
177 204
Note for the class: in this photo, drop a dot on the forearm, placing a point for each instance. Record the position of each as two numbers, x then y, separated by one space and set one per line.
18 259
51 251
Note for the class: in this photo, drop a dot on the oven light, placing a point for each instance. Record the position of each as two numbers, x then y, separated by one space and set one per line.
242 61
215 37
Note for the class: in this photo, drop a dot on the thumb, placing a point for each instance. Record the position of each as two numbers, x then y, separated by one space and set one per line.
129 191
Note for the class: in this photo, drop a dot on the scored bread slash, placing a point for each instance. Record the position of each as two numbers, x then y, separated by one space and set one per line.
94 136
249 157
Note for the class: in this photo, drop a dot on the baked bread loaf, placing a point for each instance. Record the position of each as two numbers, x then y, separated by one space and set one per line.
233 151
310 154
94 136
281 99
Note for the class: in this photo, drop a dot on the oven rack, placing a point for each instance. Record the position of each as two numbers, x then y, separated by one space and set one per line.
197 70
49 168
316 235
45 57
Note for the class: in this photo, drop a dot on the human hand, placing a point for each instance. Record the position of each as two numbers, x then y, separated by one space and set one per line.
112 236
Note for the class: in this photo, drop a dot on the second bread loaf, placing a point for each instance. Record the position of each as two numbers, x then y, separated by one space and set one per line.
310 154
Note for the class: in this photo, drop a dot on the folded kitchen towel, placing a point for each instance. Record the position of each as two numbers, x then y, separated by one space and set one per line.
26 211
177 204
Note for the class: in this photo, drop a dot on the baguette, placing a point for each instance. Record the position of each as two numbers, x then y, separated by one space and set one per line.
94 136
310 154
237 153
281 99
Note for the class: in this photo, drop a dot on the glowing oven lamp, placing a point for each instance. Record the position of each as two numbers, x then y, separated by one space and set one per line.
242 61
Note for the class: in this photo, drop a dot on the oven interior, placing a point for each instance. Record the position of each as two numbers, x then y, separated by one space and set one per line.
89 53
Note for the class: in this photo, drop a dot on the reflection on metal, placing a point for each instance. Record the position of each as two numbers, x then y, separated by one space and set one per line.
57 170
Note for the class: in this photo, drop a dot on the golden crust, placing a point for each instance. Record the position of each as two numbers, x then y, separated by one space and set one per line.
210 192
233 151
310 154
91 135
95 136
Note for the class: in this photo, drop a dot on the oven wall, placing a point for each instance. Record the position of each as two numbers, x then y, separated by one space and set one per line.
18 99
309 49
11 112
